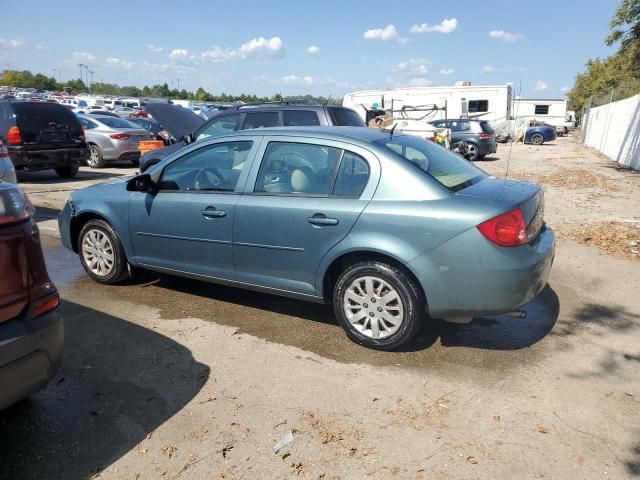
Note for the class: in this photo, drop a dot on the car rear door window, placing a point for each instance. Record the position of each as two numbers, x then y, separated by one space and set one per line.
214 168
261 120
221 125
297 169
295 118
352 176
344 117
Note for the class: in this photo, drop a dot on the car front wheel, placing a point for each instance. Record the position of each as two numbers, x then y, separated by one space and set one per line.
537 139
378 305
101 253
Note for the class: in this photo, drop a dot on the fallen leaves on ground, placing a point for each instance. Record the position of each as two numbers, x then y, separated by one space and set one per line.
472 460
168 450
543 429
566 177
616 238
327 435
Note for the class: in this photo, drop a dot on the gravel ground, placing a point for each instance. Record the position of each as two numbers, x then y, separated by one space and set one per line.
178 379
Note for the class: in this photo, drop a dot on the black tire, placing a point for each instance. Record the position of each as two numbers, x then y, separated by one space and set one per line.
473 153
135 162
119 271
67 172
537 139
95 160
413 304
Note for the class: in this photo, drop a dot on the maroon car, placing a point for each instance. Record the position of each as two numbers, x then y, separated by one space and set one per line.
31 328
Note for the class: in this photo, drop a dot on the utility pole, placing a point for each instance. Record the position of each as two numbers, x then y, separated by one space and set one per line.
91 72
86 75
178 80
81 65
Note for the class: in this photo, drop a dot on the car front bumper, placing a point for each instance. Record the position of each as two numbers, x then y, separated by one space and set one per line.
469 277
30 354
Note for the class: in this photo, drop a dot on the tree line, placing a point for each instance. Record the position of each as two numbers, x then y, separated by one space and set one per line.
617 76
26 79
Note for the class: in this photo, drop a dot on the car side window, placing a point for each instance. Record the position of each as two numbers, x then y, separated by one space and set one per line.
225 124
87 124
261 120
295 118
352 176
211 168
297 168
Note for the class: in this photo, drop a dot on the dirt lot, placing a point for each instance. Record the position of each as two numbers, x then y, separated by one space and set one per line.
179 379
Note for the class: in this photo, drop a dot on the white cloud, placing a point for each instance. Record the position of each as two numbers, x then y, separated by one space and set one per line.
154 48
80 57
388 33
447 25
12 42
419 82
487 69
42 46
296 80
446 71
313 50
414 67
259 47
505 36
120 63
541 86
179 54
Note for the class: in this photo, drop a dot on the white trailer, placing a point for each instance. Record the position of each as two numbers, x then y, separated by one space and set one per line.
549 110
485 102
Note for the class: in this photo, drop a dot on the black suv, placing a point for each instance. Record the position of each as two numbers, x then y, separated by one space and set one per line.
242 117
42 135
477 134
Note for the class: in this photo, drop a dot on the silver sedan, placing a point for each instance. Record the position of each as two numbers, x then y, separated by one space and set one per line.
112 138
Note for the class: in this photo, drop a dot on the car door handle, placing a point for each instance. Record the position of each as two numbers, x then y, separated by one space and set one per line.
211 212
321 220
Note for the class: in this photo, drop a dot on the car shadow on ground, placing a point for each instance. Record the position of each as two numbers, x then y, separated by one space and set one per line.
119 381
46 213
491 333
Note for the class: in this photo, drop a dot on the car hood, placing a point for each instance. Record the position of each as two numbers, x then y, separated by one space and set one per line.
178 121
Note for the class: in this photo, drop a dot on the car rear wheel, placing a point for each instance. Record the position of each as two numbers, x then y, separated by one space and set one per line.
101 253
67 172
378 305
473 153
95 159
537 139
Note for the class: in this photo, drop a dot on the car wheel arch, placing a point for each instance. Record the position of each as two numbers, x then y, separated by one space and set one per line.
341 262
78 222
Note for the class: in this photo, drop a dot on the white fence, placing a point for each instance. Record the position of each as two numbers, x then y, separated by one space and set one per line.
614 129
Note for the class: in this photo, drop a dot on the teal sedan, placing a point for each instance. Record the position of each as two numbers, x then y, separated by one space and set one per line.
389 229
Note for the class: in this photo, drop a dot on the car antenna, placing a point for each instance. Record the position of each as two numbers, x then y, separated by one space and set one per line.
515 119
392 130
327 102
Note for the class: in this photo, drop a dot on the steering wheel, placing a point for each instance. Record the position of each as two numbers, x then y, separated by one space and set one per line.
220 180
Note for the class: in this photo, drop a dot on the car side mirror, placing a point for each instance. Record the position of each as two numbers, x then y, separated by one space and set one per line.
188 138
141 183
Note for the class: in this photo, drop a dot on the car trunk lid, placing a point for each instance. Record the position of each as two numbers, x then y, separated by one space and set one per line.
178 121
527 196
47 125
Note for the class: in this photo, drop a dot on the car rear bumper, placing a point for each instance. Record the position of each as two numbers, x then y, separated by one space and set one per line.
469 277
24 159
487 147
30 354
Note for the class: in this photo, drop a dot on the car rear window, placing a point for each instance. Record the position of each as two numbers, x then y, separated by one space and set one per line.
449 169
486 128
35 117
296 118
115 122
261 120
344 117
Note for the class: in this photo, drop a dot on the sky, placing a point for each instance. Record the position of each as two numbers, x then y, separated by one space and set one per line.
297 47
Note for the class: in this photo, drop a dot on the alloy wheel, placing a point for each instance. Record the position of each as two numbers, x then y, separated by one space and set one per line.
373 307
97 252
94 156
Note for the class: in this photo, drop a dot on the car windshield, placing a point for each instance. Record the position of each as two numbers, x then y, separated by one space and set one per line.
115 122
449 169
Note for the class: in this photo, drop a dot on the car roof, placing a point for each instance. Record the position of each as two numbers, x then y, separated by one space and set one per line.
360 134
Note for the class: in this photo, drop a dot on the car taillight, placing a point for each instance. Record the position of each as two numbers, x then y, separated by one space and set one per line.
119 136
485 135
44 305
506 230
13 135
15 206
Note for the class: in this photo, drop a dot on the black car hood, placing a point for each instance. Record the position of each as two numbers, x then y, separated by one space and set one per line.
178 121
